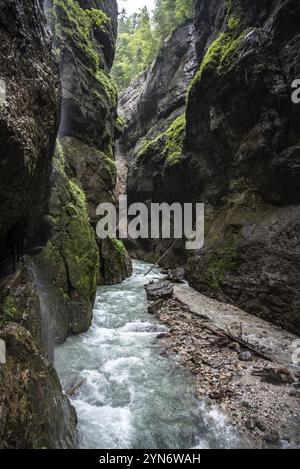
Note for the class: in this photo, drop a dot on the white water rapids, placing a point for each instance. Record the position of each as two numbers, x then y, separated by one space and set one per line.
132 395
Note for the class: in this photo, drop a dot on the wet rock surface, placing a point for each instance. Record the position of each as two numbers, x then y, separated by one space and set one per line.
242 141
29 118
34 412
151 104
238 154
74 261
159 290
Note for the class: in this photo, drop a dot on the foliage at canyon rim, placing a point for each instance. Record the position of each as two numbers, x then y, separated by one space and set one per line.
141 36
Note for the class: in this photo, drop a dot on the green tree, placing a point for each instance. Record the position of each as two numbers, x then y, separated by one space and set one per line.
140 37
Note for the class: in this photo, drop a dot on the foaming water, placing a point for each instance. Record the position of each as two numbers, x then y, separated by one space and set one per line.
130 395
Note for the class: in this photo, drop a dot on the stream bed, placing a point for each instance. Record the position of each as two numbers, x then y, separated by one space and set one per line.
130 394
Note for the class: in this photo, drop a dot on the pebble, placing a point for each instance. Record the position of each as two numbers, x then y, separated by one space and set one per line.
246 356
250 424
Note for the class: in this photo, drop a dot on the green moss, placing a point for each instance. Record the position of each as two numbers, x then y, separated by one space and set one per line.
149 146
120 123
119 246
171 142
233 23
108 87
221 262
9 309
72 252
219 55
110 166
175 136
77 24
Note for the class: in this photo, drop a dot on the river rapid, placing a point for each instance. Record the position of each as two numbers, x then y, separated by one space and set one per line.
130 394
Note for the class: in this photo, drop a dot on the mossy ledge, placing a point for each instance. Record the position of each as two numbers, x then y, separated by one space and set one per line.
170 143
220 55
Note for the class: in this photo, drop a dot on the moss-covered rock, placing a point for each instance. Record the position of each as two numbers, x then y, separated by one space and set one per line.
85 40
69 265
242 138
35 414
34 411
85 34
116 264
94 171
169 143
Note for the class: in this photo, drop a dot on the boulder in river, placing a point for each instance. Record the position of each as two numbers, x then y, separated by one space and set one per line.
159 290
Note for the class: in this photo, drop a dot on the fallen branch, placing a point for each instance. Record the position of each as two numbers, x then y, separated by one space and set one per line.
239 339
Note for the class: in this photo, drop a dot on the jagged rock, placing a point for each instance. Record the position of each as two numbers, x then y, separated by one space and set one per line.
176 275
29 118
152 103
89 105
154 100
243 164
239 154
35 414
159 290
88 126
68 268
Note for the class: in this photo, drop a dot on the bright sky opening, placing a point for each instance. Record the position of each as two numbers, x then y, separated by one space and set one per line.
131 6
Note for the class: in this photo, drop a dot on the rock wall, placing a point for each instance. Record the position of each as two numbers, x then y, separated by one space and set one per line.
75 262
153 107
29 119
243 149
238 152
34 412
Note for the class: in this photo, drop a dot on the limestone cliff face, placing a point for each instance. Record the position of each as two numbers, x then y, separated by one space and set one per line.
29 118
34 413
243 149
238 152
74 262
154 108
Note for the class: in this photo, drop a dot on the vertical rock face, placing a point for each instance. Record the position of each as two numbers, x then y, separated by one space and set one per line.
34 413
29 117
89 96
243 148
74 262
157 97
153 107
238 152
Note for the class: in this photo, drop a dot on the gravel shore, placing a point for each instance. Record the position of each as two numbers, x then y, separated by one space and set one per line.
259 394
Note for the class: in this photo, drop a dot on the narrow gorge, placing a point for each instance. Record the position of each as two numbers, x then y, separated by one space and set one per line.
142 343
